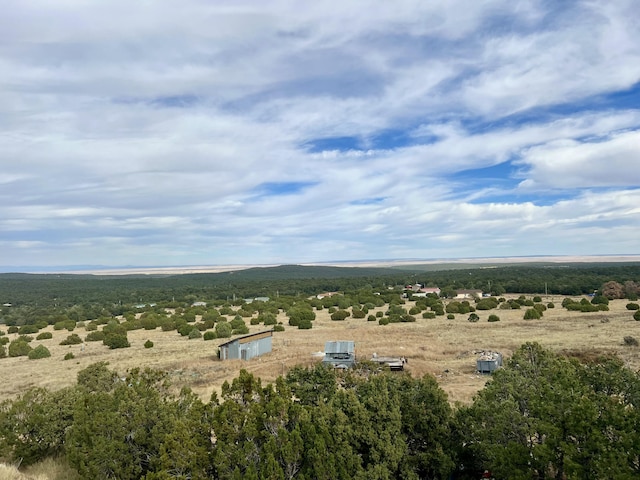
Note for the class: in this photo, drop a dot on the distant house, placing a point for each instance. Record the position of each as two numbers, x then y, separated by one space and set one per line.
199 304
340 354
320 296
247 346
468 294
424 291
256 299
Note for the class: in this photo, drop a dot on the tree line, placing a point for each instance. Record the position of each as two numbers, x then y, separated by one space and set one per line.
542 416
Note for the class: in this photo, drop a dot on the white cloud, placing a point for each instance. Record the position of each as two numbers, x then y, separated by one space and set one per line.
143 133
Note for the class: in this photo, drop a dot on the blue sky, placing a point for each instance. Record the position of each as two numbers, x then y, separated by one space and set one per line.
242 132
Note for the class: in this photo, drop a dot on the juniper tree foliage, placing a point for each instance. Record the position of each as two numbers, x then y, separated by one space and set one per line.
546 416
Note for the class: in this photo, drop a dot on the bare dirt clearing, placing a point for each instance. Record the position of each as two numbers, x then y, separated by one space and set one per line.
441 347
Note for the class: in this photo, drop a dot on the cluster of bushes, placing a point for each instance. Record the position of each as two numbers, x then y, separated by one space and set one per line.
597 304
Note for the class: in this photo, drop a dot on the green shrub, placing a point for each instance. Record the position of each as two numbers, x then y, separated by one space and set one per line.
493 318
537 299
13 329
95 336
371 318
357 313
185 329
69 356
255 321
28 329
633 306
72 339
210 335
451 316
3 351
116 340
148 344
278 328
44 336
379 314
39 352
631 341
473 318
428 315
531 314
19 348
194 333
4 340
636 316
243 329
540 308
339 315
384 321
305 324
26 338
223 330
551 305
91 327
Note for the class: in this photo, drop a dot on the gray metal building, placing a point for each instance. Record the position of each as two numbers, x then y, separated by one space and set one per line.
340 354
247 346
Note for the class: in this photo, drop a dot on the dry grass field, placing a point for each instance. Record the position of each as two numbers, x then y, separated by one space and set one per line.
441 347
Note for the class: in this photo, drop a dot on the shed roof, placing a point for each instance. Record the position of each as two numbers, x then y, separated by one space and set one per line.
249 337
340 346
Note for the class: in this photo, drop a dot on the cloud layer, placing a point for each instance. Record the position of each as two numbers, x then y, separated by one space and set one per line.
164 133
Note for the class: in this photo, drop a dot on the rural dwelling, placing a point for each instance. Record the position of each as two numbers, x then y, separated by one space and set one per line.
340 354
247 346
468 294
424 291
488 362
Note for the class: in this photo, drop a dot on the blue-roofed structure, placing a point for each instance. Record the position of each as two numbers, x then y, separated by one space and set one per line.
340 353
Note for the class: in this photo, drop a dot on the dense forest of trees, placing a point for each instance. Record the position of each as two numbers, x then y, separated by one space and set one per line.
542 416
68 290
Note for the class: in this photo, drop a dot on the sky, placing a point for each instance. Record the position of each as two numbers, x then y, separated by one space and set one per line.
198 132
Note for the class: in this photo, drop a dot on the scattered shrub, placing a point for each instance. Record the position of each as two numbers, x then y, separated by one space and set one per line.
630 341
4 340
371 318
537 299
194 333
28 329
116 340
428 315
379 314
633 306
3 351
451 316
340 315
636 316
473 318
19 348
531 314
69 356
210 335
255 321
384 321
44 336
148 344
493 318
72 339
550 305
13 329
278 328
26 338
39 352
305 324
95 336
223 330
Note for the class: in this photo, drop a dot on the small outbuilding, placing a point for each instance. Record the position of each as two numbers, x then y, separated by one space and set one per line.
340 354
247 346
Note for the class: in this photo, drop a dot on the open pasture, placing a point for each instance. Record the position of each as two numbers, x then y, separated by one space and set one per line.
441 347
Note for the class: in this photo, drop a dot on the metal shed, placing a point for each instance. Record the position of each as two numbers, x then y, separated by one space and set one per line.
340 354
247 346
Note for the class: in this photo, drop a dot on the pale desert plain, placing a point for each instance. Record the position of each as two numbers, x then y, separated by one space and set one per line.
446 349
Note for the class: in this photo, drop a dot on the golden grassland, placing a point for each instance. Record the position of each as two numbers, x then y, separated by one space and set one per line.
444 348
